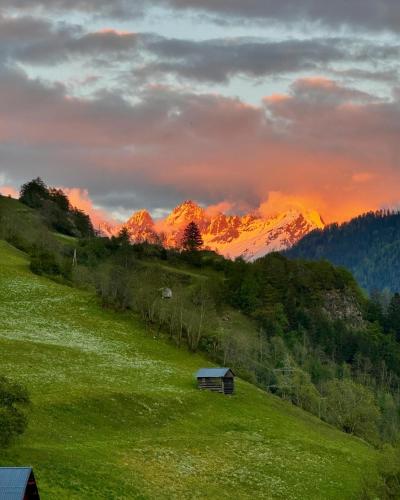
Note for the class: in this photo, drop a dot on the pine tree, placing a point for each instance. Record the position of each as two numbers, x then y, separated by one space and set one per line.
192 239
123 237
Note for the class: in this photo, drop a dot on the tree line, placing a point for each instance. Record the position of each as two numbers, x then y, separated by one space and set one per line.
55 209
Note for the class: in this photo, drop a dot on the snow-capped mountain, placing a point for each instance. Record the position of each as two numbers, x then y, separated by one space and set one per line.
107 229
250 236
254 236
141 227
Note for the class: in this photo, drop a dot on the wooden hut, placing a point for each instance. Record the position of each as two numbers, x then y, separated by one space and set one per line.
18 483
216 379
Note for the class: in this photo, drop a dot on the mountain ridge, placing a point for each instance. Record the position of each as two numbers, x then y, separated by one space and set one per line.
249 236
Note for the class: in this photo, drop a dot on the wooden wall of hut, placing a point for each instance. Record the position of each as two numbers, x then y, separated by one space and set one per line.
229 385
224 385
211 384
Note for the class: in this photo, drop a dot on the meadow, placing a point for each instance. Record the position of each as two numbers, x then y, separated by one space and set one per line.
116 413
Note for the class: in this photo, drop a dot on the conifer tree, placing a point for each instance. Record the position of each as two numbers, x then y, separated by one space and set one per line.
123 237
34 193
192 239
124 253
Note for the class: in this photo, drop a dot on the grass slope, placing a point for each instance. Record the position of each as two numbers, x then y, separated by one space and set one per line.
12 207
116 414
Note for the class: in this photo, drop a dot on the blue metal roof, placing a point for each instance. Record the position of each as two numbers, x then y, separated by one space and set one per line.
13 482
212 372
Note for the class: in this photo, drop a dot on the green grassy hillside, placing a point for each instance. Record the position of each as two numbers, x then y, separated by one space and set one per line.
116 414
13 211
9 205
22 225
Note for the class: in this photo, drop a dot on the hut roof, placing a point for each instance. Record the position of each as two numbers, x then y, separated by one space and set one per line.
213 372
13 482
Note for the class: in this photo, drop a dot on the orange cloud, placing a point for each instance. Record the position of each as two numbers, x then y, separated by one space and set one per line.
275 98
9 191
361 177
278 202
80 198
319 82
112 31
306 147
222 207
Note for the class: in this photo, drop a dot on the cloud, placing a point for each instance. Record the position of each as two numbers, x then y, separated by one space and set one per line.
311 143
119 9
152 133
361 177
322 90
219 60
365 14
5 188
279 202
40 41
221 207
389 76
9 191
79 198
104 44
362 14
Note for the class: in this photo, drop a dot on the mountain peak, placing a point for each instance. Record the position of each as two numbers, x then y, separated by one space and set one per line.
186 212
188 206
141 227
189 203
141 218
250 235
315 217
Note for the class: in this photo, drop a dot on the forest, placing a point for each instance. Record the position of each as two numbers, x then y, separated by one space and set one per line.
368 245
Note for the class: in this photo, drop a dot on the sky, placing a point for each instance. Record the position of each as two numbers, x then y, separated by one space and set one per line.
143 104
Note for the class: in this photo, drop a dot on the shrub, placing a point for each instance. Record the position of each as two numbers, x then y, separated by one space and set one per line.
387 485
13 421
43 262
352 408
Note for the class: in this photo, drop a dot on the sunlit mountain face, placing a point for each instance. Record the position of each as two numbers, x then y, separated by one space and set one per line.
249 236
147 103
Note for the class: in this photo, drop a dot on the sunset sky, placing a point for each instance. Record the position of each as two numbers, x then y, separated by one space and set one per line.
240 104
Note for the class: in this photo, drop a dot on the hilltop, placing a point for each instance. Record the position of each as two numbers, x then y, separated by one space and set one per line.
116 413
